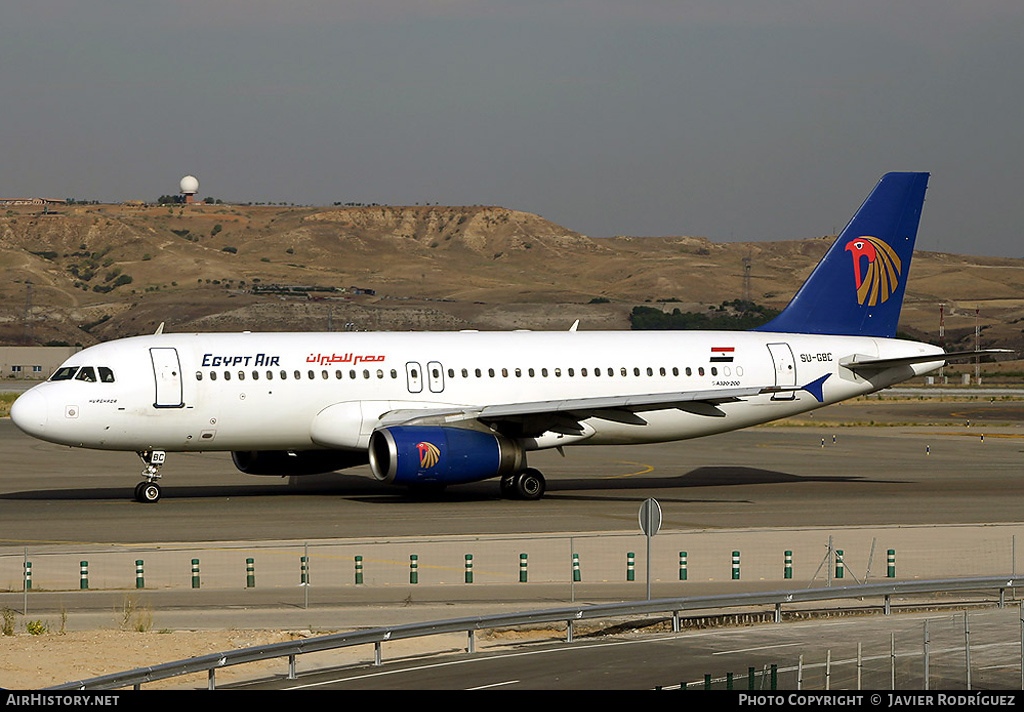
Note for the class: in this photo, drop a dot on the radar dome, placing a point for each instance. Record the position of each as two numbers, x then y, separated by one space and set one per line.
189 184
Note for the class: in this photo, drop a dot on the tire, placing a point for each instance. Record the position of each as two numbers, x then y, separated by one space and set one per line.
530 484
148 492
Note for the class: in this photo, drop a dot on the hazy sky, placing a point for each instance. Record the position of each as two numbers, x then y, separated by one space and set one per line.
729 119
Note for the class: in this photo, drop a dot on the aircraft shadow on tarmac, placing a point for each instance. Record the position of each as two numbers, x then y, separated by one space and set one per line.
370 491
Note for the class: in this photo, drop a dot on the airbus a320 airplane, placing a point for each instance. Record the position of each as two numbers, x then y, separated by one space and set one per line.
438 409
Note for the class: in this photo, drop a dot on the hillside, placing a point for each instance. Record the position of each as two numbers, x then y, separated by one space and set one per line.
90 273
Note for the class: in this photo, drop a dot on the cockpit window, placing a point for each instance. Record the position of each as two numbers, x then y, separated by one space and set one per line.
106 375
86 373
64 373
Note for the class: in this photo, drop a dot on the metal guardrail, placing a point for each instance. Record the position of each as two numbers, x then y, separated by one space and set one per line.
569 615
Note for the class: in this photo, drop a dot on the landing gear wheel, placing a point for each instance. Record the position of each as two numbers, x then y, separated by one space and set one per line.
147 492
529 484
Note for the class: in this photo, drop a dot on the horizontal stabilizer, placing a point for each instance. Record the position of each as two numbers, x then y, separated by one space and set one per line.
855 363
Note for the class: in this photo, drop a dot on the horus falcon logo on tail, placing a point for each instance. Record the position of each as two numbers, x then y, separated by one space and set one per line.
882 275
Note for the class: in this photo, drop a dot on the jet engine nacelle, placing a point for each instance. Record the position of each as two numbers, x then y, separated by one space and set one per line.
288 463
420 454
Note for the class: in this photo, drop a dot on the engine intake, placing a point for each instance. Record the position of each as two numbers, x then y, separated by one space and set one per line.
414 454
287 463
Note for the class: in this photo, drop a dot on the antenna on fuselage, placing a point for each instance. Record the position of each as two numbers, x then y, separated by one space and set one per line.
574 325
159 329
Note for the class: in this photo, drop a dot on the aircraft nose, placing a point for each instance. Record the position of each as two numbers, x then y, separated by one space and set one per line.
29 412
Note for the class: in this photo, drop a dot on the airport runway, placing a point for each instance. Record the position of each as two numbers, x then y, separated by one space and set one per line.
926 467
932 463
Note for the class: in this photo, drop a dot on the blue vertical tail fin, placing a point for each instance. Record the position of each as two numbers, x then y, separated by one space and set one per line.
857 288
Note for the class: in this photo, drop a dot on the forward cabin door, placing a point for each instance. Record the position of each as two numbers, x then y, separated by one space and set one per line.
167 375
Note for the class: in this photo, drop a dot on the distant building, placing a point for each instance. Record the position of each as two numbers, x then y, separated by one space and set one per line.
10 202
33 363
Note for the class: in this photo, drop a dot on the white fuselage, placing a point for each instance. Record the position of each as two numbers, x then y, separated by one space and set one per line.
265 391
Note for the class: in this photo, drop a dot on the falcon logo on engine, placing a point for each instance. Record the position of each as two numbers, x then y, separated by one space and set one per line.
429 455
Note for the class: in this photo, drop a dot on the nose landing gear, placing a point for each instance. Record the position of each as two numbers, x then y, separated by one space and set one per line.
148 490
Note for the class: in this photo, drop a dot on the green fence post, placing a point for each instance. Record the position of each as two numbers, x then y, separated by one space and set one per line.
789 565
890 571
469 568
414 565
250 573
83 582
839 563
359 570
682 566
522 568
631 566
140 578
735 565
195 573
576 568
28 575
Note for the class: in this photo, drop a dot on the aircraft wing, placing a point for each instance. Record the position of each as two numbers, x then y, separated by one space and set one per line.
541 414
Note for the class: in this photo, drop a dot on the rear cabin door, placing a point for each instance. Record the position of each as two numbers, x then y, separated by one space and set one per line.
785 369
167 375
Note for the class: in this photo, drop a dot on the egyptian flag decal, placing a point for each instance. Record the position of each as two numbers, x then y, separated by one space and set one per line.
722 354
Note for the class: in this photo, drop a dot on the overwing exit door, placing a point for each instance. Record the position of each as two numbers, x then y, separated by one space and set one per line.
435 377
414 377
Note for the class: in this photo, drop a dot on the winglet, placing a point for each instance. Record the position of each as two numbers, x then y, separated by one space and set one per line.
816 388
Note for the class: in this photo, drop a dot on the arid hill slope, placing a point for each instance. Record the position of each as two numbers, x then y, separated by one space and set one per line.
90 273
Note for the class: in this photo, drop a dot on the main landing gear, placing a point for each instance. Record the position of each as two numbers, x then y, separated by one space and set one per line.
149 490
525 484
